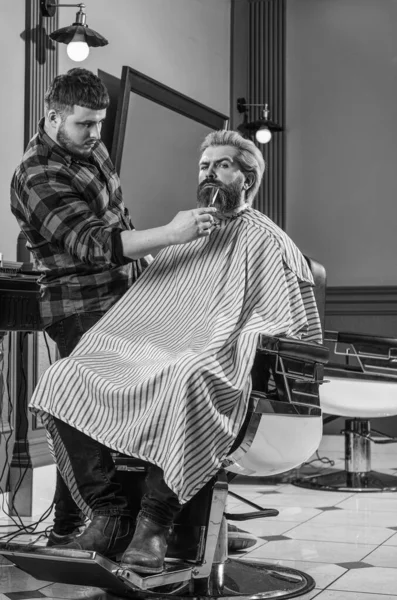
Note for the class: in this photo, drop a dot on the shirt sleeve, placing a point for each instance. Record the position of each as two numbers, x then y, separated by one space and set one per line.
118 257
63 218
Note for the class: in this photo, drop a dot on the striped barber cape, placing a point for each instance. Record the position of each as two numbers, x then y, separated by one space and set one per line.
164 376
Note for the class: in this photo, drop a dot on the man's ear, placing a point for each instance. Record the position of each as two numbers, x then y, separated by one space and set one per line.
53 117
249 181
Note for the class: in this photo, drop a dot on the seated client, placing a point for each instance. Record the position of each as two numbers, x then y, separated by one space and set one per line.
164 376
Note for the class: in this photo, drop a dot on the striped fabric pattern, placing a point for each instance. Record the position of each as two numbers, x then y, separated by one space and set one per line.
164 376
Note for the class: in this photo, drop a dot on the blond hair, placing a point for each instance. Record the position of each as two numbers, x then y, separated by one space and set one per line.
249 156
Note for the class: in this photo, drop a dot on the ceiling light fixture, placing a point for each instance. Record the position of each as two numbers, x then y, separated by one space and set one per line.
78 36
262 128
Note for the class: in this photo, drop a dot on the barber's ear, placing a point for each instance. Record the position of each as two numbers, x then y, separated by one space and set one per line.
53 117
249 181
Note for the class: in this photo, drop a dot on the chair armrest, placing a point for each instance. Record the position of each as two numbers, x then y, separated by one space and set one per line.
294 349
363 353
361 339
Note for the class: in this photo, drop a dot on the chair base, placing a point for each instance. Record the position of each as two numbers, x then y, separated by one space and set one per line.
344 481
233 578
244 579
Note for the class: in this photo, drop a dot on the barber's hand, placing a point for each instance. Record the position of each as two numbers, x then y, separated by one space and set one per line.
188 225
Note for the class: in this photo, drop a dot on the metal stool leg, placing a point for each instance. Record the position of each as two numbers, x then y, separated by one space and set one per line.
244 579
357 476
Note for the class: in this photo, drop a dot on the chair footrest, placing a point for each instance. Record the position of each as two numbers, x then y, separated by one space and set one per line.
257 514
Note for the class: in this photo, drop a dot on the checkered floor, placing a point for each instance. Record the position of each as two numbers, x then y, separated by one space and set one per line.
346 541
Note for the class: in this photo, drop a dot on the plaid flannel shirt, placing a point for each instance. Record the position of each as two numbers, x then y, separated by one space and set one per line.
72 213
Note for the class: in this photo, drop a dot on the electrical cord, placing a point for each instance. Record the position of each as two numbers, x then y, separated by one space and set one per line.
9 507
10 428
323 459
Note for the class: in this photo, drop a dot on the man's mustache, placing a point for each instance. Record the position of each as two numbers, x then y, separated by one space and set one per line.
210 183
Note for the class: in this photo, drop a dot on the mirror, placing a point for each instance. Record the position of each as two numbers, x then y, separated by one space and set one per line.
155 146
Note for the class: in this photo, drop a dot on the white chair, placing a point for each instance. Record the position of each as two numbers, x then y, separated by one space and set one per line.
360 387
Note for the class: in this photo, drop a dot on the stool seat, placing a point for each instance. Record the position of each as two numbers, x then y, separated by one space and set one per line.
359 398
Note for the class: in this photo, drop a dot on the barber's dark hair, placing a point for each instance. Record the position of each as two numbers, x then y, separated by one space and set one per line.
249 156
77 86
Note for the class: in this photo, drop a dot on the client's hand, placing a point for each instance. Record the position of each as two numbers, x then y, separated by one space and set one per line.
188 225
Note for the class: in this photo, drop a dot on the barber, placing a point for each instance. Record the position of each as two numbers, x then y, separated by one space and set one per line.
67 199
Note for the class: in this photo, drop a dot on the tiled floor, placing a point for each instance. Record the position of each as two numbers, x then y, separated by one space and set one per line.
346 541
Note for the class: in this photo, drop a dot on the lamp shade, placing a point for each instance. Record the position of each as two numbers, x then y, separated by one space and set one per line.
253 126
66 35
261 129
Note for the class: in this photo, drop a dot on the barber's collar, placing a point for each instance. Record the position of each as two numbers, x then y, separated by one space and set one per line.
54 147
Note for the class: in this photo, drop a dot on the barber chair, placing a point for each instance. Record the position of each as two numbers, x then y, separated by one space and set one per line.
281 430
360 387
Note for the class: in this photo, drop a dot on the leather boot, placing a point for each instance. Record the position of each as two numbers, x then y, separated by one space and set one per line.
146 552
55 539
107 535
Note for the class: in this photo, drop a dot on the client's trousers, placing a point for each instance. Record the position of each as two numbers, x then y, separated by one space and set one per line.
92 464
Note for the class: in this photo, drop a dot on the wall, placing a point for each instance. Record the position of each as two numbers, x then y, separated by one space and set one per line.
341 137
183 44
341 158
12 17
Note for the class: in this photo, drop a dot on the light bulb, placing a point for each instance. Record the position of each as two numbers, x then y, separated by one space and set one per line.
263 135
77 51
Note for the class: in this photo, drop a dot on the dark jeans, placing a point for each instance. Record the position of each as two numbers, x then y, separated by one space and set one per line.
92 463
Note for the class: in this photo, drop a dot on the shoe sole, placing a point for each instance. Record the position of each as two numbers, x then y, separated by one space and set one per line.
139 569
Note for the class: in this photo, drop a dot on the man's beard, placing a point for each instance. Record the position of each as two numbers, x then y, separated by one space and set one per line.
228 198
64 140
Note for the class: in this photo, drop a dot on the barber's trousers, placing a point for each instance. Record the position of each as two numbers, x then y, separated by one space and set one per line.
92 463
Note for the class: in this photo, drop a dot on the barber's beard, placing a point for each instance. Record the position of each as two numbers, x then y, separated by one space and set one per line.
66 142
229 196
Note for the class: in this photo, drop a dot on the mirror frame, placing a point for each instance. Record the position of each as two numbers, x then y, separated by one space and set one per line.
134 81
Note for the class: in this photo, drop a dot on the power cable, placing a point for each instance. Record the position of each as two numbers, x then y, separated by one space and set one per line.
22 528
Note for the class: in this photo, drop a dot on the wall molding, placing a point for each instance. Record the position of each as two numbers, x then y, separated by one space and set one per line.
258 73
267 84
41 63
361 300
29 454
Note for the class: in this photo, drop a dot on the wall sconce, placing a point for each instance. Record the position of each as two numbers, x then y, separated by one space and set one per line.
79 37
262 128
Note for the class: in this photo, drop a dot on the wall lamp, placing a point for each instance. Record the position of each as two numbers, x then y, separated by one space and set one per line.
262 127
78 36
